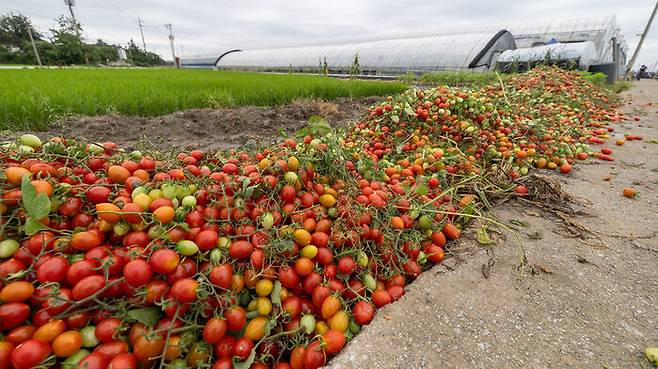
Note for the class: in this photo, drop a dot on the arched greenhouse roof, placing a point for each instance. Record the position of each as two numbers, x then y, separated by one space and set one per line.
391 56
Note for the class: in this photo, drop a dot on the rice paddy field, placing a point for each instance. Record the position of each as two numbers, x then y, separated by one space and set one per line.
33 99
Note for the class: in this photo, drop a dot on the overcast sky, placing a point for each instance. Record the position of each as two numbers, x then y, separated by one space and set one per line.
209 27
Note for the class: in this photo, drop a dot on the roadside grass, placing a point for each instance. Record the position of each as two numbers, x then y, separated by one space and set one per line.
33 99
600 79
453 78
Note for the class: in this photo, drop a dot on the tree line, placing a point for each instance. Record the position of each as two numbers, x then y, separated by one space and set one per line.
63 46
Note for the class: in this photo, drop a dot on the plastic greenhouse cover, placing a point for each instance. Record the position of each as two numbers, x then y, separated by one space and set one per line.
419 53
583 51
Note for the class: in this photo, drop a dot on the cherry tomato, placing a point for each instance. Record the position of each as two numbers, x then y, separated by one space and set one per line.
242 348
67 343
20 334
334 341
123 361
95 360
88 286
5 354
363 312
184 290
53 270
221 275
137 273
146 348
314 356
13 315
164 261
29 354
108 330
236 318
214 330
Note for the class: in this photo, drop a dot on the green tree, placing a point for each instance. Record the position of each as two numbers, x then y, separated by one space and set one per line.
70 49
14 30
101 52
141 57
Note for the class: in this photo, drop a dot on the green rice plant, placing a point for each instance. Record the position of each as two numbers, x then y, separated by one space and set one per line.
33 99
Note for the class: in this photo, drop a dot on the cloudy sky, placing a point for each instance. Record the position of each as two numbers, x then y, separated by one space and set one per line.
206 27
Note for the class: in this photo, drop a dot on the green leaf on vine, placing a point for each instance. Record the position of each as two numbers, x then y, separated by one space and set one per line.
422 190
276 293
37 206
148 316
32 226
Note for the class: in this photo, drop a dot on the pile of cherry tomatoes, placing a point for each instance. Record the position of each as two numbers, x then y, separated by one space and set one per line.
270 257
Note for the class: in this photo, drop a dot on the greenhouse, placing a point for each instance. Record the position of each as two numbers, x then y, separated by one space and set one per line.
382 57
594 44
581 55
588 44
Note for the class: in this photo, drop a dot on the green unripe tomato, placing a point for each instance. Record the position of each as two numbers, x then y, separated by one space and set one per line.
267 220
121 229
223 243
369 281
215 256
424 222
182 192
72 361
89 339
361 259
8 248
308 322
30 140
189 201
156 194
187 247
168 190
24 149
290 178
136 155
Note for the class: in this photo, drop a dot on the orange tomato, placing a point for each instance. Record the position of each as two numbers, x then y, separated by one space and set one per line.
302 237
49 331
67 343
629 192
16 291
451 231
397 223
304 266
256 328
164 214
108 212
15 175
42 186
118 174
330 306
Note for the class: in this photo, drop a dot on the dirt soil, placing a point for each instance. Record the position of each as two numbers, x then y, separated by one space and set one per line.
209 129
584 296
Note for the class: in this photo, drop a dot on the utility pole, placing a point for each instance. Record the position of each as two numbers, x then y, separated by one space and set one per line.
629 68
71 4
141 30
171 42
34 46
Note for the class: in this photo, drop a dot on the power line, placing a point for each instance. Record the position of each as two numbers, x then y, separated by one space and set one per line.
25 12
116 7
